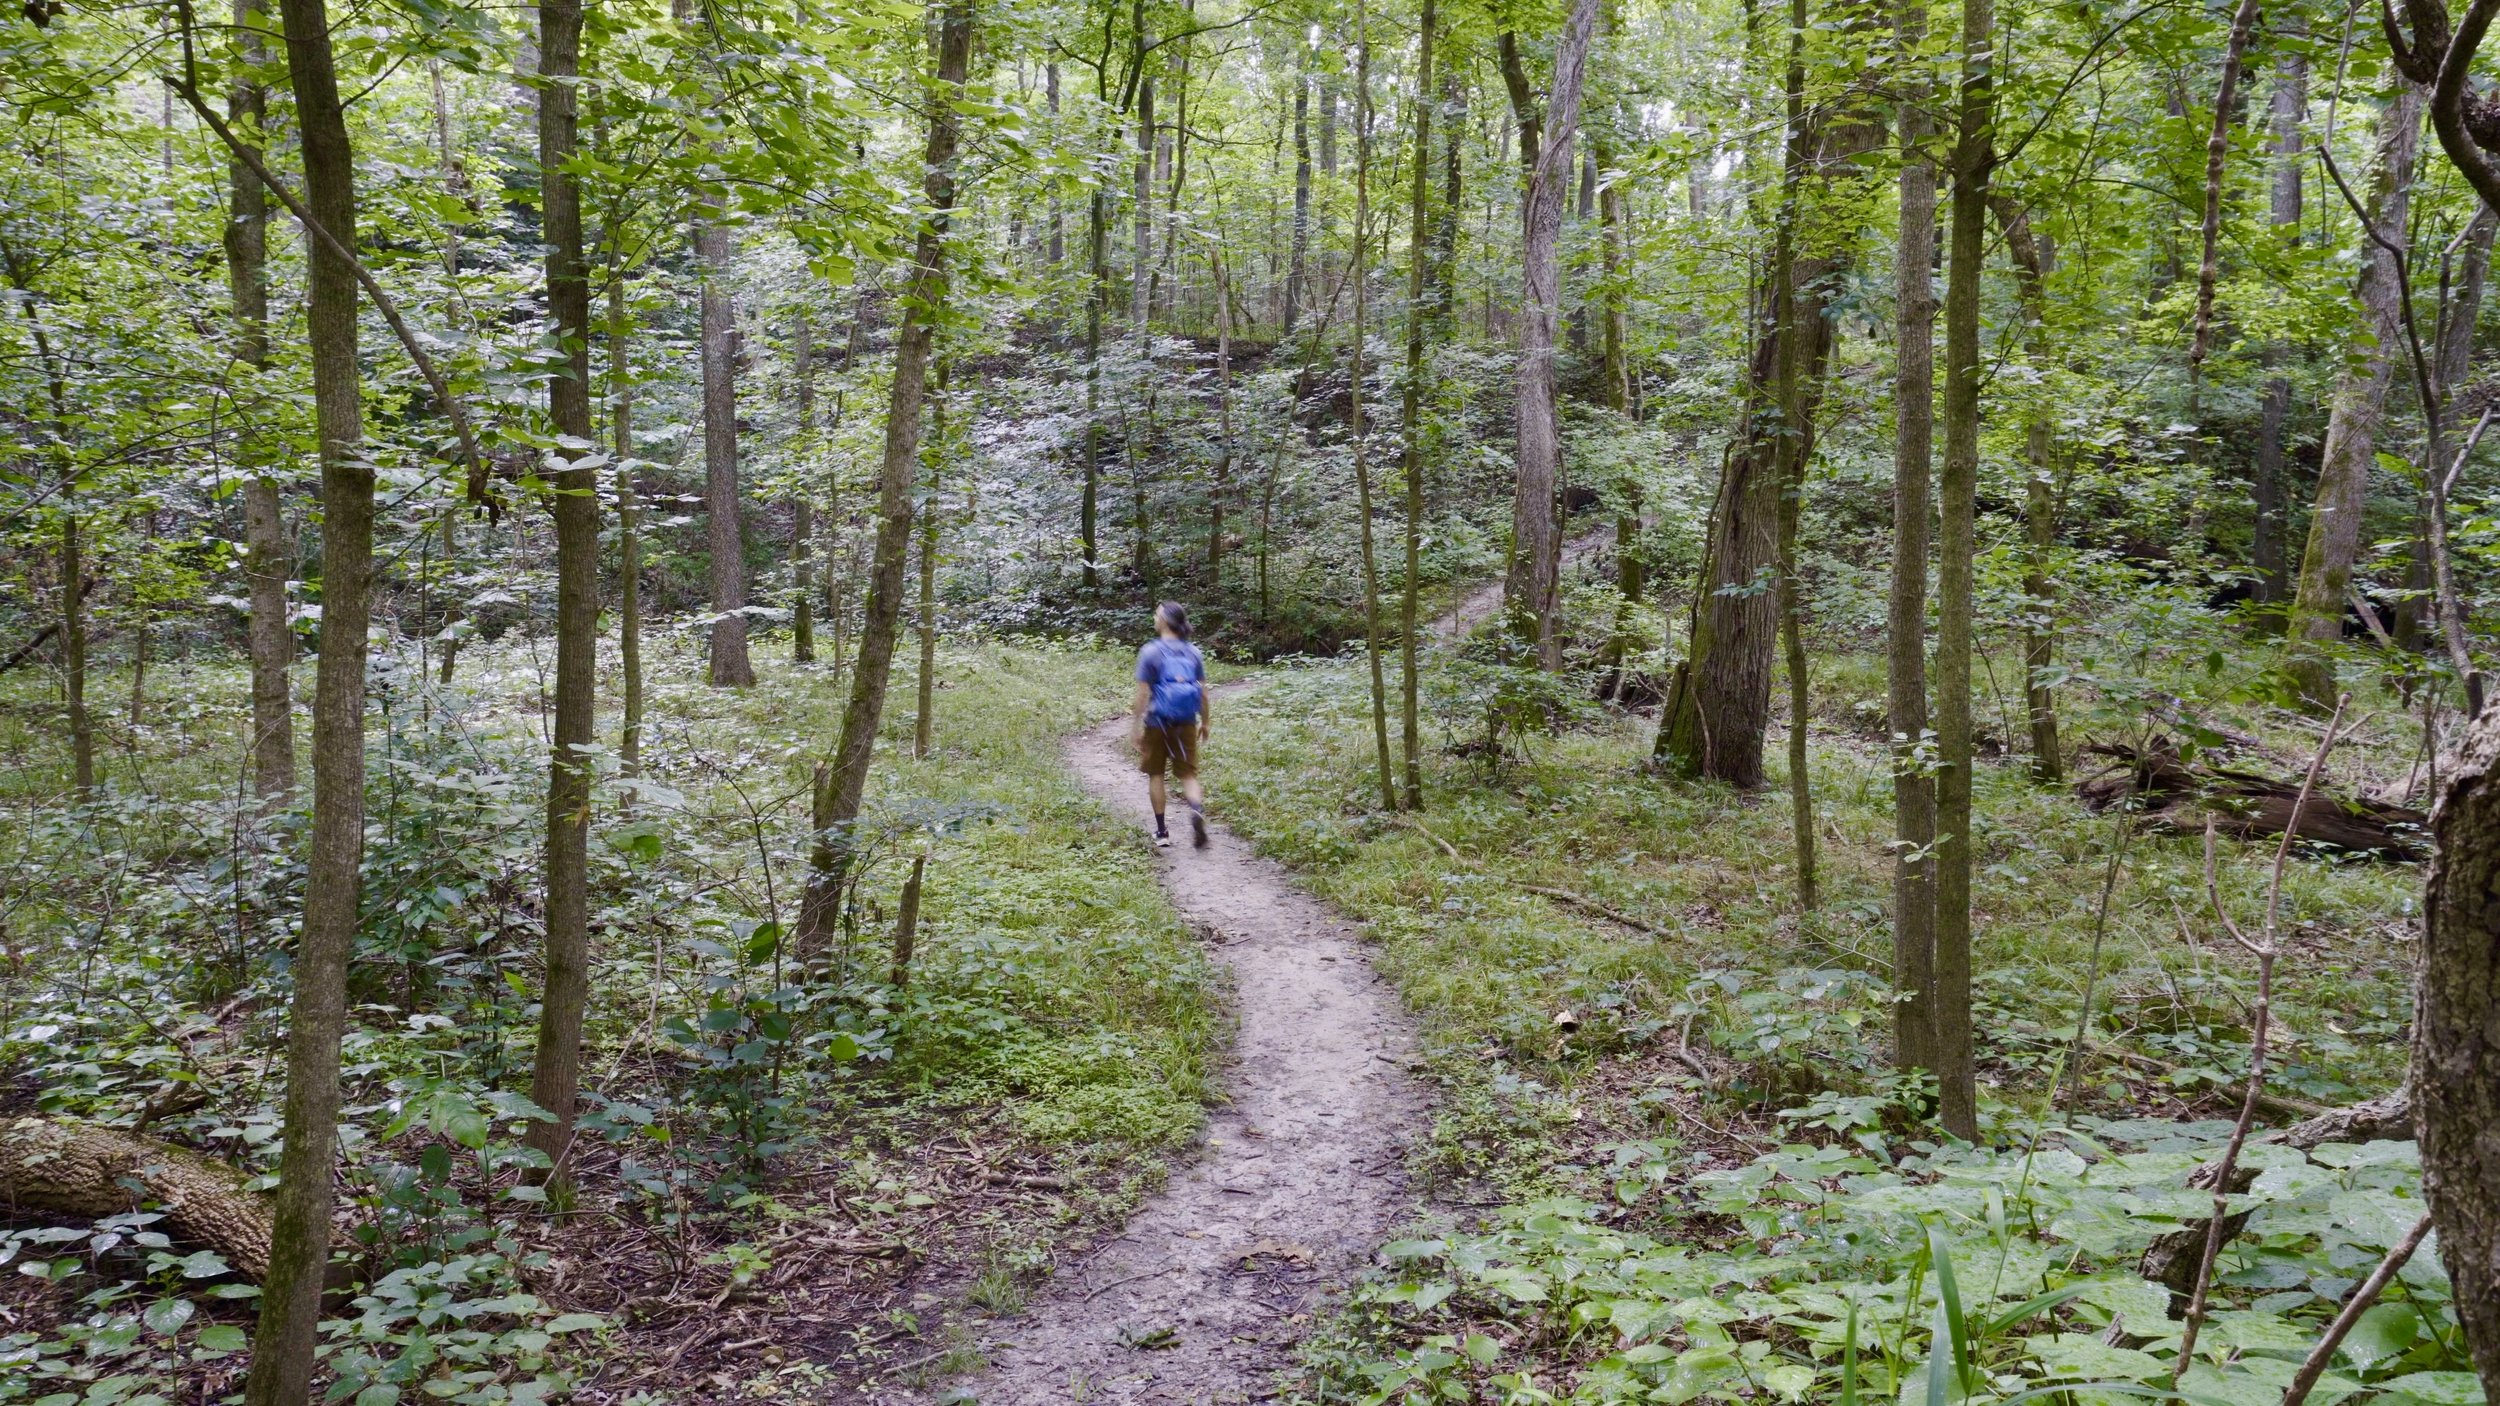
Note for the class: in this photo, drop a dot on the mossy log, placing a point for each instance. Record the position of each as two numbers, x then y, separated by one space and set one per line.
78 1169
2181 796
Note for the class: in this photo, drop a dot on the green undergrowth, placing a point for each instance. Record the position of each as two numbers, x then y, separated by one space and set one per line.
1057 1019
1654 1236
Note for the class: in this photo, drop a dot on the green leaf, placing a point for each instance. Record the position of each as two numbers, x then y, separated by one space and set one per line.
1790 1381
223 1337
2381 1332
2437 1388
166 1316
577 1323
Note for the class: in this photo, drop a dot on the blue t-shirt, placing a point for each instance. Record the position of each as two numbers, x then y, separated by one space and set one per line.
1177 674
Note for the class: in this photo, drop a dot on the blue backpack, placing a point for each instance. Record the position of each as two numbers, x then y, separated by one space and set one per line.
1177 695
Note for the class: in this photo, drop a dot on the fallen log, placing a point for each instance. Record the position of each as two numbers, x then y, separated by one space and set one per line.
2174 1259
2182 796
79 1169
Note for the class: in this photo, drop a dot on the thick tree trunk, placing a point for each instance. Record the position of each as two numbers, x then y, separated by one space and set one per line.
1957 552
1422 309
2289 105
803 503
1532 585
555 1079
726 539
841 786
2456 1042
290 1306
2039 631
268 559
1905 651
77 1169
2360 397
1718 706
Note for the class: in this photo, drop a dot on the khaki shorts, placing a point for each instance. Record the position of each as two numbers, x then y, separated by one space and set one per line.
1175 746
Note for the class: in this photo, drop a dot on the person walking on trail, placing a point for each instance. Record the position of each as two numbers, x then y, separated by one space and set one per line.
1170 719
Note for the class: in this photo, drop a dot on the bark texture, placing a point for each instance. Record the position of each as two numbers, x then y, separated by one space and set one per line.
2290 102
2031 256
1905 656
730 667
77 1169
265 571
556 1074
1531 587
1421 310
840 786
2456 1041
2360 398
290 1311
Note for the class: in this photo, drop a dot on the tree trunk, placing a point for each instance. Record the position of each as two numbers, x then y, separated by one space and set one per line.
2289 105
803 503
1220 481
1532 584
2031 270
924 719
555 1079
290 1306
2218 146
1905 650
77 1169
726 540
74 651
2456 1042
1297 270
1718 706
628 520
1423 307
841 786
2360 397
1358 271
1058 218
1796 363
268 560
1444 275
1098 265
1957 553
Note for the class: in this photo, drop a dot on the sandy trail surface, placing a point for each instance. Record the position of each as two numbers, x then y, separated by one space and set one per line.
1205 1294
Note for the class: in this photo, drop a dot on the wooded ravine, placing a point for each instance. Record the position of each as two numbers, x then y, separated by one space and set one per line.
1843 712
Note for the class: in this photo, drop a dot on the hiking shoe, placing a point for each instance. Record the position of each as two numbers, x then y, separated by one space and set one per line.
1163 839
1197 827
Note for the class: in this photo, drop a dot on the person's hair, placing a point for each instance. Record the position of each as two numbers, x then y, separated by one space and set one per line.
1172 615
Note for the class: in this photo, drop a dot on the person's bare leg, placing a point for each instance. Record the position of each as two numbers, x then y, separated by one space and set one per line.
1155 794
1192 792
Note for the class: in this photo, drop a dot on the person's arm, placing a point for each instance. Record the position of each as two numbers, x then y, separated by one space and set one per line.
1137 709
1206 702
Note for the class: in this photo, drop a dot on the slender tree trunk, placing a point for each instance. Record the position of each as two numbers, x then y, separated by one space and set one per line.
726 539
264 522
2039 631
1219 485
1141 225
924 719
1957 553
1296 275
803 503
1422 308
1357 271
74 651
2456 1041
628 522
1532 585
841 786
290 1304
1799 359
1098 220
2461 280
555 1081
1058 216
1905 653
2360 397
1444 273
2290 104
2218 146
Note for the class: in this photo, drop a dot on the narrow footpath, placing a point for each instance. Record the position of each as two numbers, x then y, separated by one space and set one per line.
1204 1295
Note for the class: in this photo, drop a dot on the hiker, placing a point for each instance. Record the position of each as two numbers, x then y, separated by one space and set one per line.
1171 718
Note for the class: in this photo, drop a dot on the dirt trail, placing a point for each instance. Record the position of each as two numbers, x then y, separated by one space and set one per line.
1301 1173
1203 1297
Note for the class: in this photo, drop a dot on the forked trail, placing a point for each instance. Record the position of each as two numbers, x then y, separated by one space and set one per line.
1200 1298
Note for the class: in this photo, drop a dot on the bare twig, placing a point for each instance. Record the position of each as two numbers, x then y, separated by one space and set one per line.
2266 948
2314 1366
